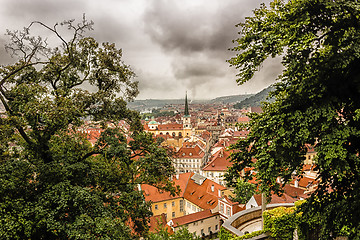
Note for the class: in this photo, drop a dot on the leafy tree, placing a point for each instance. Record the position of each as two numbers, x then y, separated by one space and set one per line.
181 234
54 183
317 102
243 191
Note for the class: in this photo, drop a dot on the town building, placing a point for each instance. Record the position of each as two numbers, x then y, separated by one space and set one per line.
201 224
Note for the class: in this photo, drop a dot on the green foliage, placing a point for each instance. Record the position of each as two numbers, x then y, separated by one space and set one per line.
54 183
156 113
281 222
243 191
181 234
316 102
250 235
255 100
225 234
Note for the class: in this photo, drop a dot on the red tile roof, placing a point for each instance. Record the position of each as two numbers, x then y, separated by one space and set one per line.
220 161
170 126
202 195
284 198
305 182
295 192
194 217
153 194
190 152
199 194
159 222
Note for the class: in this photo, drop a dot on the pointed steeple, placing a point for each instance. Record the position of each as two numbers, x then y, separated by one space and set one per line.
186 113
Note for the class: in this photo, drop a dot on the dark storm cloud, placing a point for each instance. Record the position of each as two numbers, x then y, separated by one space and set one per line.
173 46
196 28
108 27
196 68
198 39
42 10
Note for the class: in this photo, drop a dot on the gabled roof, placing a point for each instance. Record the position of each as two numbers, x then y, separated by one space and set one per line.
203 195
236 207
194 217
195 188
159 222
284 198
305 182
220 161
153 194
190 152
295 192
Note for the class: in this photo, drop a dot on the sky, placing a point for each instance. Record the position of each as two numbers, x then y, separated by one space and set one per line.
173 46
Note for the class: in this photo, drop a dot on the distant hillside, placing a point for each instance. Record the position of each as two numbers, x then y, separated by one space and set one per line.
149 104
255 100
230 99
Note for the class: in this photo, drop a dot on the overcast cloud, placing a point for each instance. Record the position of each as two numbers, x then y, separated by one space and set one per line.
173 46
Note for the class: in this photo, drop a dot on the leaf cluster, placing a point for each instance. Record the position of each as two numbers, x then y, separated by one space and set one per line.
316 103
54 183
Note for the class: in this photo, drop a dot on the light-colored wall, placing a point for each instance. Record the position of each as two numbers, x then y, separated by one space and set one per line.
251 202
191 208
216 176
169 210
183 165
212 222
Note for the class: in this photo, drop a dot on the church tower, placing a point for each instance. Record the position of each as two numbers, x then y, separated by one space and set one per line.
186 119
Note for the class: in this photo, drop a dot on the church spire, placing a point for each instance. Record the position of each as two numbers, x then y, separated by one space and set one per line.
186 113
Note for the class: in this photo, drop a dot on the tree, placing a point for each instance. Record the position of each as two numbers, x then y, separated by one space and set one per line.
181 234
244 191
317 102
54 183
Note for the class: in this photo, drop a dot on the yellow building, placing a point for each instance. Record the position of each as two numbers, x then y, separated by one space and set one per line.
173 133
163 202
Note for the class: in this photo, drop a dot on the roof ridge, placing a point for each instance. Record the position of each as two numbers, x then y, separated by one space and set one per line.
187 183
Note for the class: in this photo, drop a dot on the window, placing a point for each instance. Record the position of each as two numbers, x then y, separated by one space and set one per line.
156 207
173 214
188 205
165 205
228 211
202 231
216 227
181 205
209 229
173 203
221 207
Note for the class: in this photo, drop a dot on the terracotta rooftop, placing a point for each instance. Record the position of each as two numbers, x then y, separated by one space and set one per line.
295 192
153 194
194 217
204 195
170 126
159 222
220 161
190 152
195 188
284 198
305 182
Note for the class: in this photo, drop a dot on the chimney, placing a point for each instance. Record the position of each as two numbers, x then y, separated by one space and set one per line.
177 176
296 183
219 193
212 188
